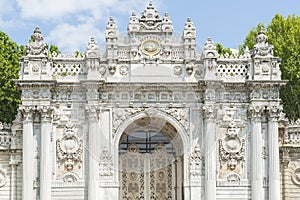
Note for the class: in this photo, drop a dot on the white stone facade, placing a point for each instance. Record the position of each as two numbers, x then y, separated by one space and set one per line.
221 114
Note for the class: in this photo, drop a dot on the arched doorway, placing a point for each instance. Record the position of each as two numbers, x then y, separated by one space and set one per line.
150 160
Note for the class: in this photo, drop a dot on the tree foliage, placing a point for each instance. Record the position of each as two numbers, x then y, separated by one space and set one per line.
284 35
222 50
9 70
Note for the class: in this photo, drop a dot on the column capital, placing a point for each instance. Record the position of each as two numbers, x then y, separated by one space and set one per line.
273 112
209 111
46 112
256 111
92 112
27 112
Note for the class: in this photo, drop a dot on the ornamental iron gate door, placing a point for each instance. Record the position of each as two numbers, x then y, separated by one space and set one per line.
148 176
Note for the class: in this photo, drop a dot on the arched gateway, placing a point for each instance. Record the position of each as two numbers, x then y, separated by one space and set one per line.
148 118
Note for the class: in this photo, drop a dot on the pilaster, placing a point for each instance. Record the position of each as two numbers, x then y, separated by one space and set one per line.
274 163
45 160
28 152
256 153
93 121
210 151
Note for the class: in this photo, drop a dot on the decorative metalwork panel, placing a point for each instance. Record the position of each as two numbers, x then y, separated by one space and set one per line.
146 176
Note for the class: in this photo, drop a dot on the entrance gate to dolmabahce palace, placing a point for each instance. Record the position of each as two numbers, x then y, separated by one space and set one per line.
149 117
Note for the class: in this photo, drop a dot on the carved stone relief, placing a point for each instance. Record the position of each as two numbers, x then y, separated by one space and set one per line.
3 178
231 151
69 150
196 163
106 164
180 114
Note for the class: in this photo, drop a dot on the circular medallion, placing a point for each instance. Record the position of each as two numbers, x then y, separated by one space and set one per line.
150 47
2 178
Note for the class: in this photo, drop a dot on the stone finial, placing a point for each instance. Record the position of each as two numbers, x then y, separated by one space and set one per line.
36 45
262 48
167 25
189 29
37 35
134 24
111 29
209 44
261 37
150 19
92 49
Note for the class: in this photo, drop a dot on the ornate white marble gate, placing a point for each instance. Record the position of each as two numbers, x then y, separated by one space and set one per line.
147 176
220 113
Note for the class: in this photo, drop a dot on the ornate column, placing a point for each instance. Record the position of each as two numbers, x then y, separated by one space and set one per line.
45 160
274 165
28 152
93 152
256 153
210 152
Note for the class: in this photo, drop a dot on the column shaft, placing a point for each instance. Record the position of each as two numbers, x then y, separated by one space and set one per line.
93 164
210 161
257 162
28 160
274 170
45 162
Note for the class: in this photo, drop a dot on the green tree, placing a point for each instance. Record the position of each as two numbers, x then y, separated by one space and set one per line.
222 51
284 35
9 70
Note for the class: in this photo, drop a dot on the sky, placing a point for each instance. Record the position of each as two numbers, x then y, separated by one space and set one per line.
69 24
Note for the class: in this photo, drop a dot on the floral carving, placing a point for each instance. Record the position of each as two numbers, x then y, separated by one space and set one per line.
106 164
196 162
69 148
